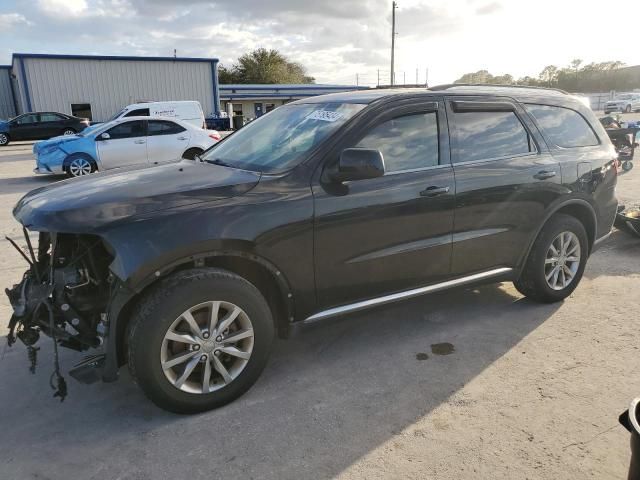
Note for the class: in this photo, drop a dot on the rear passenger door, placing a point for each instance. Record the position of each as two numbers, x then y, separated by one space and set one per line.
505 179
166 141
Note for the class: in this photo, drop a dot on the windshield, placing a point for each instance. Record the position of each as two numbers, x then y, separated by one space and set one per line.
280 139
624 97
117 115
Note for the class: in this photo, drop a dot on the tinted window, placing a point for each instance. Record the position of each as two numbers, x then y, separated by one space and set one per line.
406 142
50 117
563 126
485 135
26 119
161 127
127 130
82 110
140 112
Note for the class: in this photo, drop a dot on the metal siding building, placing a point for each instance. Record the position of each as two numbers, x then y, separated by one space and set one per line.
7 103
109 83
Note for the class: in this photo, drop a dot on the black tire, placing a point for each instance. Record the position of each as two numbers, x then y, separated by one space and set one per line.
5 139
627 165
166 302
628 109
68 131
69 171
532 282
191 153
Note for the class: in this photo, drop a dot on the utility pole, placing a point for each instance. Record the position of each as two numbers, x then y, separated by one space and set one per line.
416 75
378 77
357 80
404 78
394 5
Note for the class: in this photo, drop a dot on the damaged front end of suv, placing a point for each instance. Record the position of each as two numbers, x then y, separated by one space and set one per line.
64 294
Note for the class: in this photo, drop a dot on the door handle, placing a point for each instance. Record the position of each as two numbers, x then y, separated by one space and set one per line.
544 174
139 142
182 138
434 191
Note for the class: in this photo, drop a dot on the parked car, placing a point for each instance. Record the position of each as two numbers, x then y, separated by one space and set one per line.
187 111
123 142
39 125
322 207
625 102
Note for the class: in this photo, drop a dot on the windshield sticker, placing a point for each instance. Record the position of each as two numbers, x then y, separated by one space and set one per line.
325 116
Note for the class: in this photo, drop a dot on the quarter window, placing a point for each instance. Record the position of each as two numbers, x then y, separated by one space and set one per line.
563 126
406 142
162 127
127 130
486 135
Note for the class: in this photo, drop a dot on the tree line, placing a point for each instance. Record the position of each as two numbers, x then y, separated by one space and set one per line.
264 66
575 77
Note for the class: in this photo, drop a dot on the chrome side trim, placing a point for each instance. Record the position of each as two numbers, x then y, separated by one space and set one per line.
599 241
354 307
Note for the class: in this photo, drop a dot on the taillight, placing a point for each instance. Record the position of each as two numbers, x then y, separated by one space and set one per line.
215 136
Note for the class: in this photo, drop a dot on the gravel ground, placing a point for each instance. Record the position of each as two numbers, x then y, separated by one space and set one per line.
479 383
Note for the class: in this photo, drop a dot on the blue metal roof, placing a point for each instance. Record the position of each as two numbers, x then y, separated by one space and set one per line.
113 57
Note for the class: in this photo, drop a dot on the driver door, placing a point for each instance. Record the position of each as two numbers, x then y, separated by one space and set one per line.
25 127
392 233
126 145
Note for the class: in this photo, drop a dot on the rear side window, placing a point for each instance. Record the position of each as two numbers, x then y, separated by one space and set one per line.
140 112
406 143
163 127
486 135
563 126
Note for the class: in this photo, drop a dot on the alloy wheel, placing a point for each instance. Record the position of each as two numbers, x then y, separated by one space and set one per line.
562 260
3 139
207 347
79 167
69 132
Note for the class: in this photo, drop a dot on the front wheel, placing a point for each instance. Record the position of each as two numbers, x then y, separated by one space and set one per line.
80 166
199 340
4 139
556 262
628 109
191 153
627 165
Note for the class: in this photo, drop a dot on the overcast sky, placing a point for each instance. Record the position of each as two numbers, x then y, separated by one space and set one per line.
333 39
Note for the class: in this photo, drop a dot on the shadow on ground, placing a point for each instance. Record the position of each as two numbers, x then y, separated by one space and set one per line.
328 396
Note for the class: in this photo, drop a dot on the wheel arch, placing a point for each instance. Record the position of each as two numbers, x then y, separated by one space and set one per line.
577 208
69 158
261 273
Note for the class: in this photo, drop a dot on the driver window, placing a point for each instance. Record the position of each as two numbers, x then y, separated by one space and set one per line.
407 142
127 130
26 119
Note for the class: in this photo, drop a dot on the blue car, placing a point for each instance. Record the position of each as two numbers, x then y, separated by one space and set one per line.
122 142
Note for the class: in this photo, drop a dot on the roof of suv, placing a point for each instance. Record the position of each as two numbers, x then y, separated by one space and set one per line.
520 93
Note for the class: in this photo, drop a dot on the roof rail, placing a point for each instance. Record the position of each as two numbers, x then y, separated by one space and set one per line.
447 86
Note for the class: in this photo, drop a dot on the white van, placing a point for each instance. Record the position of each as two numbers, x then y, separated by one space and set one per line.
187 111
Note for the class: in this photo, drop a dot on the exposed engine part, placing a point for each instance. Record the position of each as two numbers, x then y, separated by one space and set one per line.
64 294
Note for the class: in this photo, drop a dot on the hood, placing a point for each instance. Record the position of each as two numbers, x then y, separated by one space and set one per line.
87 204
54 142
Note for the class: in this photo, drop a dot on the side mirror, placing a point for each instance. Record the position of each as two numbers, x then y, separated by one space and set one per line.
105 136
359 164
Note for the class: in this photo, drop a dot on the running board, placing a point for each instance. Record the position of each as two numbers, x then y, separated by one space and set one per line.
394 297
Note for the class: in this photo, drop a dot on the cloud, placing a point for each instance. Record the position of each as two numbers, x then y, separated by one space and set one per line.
63 8
489 8
10 20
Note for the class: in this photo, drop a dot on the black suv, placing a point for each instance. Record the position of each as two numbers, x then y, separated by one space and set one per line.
324 206
39 126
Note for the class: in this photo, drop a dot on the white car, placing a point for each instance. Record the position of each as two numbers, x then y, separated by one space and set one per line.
123 142
625 102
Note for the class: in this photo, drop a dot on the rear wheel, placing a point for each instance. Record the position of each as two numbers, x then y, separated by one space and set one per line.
627 165
4 139
68 131
80 166
556 262
191 153
199 340
628 109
